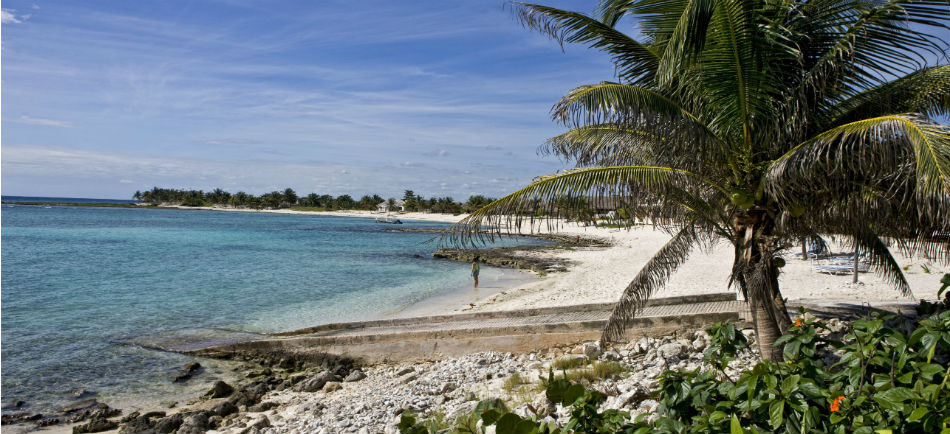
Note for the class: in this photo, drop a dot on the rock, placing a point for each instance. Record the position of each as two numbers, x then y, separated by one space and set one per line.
95 425
81 393
355 375
169 424
332 386
447 387
220 390
85 404
191 368
256 425
670 350
410 377
404 371
19 417
699 344
262 407
592 350
225 408
611 355
195 424
315 383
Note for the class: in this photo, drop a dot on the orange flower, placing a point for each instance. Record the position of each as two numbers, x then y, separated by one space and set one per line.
798 322
835 402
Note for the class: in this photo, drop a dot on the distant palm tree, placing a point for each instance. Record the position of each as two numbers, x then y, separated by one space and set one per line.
757 122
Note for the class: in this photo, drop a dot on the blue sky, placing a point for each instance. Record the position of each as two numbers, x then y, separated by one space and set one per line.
100 99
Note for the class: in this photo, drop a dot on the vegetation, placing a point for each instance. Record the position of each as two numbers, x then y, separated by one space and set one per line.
564 363
878 379
759 122
311 202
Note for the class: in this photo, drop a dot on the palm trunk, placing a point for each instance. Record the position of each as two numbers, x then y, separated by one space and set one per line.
759 277
855 280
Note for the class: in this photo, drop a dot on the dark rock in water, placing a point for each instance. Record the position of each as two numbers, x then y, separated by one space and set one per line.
95 425
85 404
188 370
356 375
19 404
315 383
82 393
225 408
19 418
262 407
220 390
191 368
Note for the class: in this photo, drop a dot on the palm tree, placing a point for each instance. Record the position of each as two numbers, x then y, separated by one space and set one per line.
757 122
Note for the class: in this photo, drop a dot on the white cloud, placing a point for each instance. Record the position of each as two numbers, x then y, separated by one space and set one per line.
43 122
8 16
125 181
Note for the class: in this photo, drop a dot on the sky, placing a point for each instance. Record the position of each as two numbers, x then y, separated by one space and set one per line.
100 99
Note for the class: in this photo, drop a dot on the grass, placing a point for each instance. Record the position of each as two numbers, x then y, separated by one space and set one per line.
566 363
513 382
597 371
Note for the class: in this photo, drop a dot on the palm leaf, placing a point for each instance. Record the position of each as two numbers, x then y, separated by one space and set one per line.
652 277
881 260
635 62
641 187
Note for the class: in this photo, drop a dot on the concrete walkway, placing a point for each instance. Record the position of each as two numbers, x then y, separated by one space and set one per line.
434 337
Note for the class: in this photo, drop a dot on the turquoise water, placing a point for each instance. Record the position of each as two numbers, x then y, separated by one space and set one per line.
79 283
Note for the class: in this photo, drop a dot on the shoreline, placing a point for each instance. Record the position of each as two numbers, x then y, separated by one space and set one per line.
599 273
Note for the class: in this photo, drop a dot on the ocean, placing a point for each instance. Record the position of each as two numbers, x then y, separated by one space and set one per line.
84 287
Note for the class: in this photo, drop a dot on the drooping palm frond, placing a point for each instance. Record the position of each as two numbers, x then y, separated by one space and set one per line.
881 261
652 277
635 62
656 191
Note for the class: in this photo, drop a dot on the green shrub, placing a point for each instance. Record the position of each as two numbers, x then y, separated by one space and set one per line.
884 382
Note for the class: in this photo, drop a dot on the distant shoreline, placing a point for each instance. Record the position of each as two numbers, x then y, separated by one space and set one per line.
436 217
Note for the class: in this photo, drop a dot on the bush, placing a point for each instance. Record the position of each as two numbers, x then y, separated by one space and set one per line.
878 379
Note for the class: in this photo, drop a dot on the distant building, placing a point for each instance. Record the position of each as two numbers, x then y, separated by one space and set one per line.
400 205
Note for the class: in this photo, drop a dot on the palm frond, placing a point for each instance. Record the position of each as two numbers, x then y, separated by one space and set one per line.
881 260
873 151
926 91
863 42
635 62
607 144
652 277
551 197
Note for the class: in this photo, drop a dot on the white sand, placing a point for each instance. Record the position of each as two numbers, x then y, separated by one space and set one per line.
601 274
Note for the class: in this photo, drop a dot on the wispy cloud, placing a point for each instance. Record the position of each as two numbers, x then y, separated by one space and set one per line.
42 122
8 16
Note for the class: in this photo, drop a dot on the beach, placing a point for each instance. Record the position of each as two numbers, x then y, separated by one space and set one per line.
594 274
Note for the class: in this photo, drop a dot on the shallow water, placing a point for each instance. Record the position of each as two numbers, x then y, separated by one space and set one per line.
79 284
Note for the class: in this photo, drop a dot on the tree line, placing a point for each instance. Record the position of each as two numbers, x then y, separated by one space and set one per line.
290 199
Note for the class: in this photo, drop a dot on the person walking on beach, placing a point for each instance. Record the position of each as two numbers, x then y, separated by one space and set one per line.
475 269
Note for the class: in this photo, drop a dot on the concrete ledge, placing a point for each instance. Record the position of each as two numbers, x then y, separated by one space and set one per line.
597 307
430 345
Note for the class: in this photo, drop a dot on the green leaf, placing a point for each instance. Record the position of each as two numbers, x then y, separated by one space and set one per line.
735 427
572 393
917 414
508 424
776 410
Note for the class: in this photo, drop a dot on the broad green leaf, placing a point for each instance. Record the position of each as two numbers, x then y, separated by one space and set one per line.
776 410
